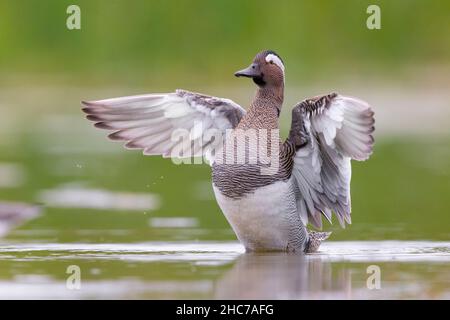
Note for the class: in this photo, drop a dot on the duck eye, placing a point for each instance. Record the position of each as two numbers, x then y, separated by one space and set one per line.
271 61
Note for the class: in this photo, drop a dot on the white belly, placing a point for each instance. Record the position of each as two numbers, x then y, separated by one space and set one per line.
266 219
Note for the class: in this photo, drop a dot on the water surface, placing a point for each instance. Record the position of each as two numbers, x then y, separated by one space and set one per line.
221 270
141 227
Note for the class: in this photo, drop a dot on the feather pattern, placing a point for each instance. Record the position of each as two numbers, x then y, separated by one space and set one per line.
148 122
338 129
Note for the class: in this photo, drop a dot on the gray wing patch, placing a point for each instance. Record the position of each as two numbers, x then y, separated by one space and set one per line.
228 108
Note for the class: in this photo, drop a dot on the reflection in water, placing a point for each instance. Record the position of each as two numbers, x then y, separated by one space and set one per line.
12 175
173 222
13 214
283 276
77 197
221 270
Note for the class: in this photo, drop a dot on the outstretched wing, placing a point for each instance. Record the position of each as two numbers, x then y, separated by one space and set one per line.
328 132
155 122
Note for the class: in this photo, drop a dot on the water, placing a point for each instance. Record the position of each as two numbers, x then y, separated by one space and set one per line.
221 270
141 227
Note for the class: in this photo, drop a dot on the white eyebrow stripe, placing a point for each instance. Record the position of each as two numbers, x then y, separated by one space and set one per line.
275 60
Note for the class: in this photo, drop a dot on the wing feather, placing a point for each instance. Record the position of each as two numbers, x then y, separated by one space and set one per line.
149 121
339 129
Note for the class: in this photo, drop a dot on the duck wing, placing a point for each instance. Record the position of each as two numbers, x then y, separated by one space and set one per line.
327 132
181 124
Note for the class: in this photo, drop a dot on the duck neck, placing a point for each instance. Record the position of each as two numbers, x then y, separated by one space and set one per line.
270 96
266 107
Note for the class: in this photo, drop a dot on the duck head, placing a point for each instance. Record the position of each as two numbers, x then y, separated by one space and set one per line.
266 70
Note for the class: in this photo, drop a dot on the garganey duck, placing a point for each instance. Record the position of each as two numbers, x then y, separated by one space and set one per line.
269 200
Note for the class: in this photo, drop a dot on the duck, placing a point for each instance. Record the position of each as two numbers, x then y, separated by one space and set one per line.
269 189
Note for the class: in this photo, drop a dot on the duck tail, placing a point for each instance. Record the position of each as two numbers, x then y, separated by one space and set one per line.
315 239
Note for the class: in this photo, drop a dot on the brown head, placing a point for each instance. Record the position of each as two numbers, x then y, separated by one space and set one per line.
266 70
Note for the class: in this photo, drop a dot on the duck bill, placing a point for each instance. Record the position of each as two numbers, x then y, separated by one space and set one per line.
251 72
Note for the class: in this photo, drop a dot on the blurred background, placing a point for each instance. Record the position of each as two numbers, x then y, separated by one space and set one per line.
91 190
